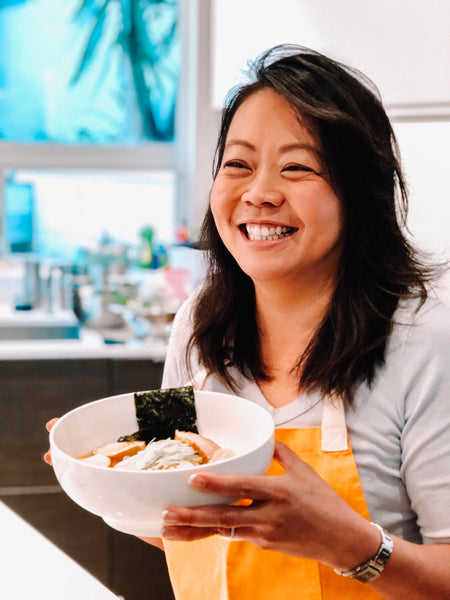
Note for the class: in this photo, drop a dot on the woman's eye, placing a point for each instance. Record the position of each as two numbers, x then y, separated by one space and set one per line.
296 168
236 164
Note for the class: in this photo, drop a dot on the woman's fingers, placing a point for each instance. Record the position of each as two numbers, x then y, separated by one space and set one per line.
213 515
190 524
285 456
51 423
48 458
191 534
236 486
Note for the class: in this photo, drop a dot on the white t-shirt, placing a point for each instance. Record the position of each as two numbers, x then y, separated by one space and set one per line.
399 428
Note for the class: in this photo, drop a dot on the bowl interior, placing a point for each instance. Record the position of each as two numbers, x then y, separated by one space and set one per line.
230 421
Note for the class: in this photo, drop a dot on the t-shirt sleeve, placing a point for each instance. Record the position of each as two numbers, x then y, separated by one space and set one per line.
175 372
426 433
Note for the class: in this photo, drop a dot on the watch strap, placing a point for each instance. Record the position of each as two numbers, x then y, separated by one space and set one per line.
373 567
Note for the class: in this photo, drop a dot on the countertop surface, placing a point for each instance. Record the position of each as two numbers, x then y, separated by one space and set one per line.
68 339
89 345
33 568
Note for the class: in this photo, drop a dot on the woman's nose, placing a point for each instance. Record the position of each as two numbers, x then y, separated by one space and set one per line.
262 190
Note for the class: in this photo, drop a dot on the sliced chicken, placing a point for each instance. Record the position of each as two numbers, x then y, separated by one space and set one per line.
98 459
114 452
202 445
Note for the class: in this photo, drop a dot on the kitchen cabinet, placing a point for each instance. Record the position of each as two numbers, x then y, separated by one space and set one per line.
32 392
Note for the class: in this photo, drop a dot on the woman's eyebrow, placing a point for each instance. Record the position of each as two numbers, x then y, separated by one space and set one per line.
299 146
239 142
283 149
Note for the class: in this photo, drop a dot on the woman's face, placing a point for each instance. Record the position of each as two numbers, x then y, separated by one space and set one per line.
272 204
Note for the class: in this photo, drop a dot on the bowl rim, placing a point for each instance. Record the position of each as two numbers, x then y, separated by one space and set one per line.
146 472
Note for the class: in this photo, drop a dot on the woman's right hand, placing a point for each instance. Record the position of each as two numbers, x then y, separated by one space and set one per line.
49 425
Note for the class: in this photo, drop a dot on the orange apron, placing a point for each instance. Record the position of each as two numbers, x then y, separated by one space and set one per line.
220 569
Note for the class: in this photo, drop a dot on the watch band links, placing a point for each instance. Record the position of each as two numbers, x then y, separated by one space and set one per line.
373 567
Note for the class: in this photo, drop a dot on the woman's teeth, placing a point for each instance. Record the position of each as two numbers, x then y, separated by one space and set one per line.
267 232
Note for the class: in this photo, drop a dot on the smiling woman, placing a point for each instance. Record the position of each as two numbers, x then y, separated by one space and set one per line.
335 160
317 307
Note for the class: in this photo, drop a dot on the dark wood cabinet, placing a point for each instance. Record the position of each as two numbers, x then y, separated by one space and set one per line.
133 375
32 392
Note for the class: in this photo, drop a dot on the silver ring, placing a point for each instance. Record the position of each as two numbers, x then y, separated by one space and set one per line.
232 533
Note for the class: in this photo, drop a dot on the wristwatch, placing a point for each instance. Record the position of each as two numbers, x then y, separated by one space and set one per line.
372 568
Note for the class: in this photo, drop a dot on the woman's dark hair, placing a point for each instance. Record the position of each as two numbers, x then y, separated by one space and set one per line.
378 266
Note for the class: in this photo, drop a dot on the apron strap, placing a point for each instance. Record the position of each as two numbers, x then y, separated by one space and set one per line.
199 380
334 429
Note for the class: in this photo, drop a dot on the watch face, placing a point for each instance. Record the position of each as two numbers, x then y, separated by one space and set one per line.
368 573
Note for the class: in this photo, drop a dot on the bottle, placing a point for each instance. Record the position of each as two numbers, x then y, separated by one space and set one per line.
146 254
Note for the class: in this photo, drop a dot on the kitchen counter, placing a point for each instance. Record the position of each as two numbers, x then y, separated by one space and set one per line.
89 345
32 567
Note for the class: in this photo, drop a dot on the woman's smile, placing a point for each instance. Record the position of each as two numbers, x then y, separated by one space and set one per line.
266 232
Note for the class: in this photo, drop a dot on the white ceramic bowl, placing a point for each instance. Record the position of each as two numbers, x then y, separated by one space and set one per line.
132 501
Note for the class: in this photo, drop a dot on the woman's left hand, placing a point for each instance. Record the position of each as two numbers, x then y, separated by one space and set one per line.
49 425
296 513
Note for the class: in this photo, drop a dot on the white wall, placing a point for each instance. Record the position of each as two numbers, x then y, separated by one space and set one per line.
403 46
425 148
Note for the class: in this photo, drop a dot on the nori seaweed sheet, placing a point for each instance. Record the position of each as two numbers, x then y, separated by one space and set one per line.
160 412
